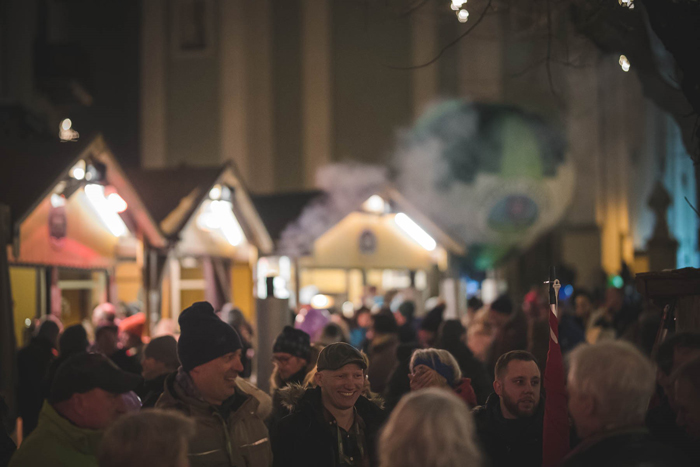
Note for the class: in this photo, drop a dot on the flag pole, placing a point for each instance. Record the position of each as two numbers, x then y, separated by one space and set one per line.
555 432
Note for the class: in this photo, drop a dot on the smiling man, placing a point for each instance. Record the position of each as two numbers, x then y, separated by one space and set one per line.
331 425
510 424
229 430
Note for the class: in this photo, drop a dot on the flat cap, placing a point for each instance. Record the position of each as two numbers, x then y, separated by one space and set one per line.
336 356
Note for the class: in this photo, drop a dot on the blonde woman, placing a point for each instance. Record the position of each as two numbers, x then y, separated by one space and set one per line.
437 368
430 428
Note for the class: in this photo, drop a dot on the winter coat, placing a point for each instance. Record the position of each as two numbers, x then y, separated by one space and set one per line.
264 400
56 442
230 435
7 445
509 442
279 409
33 363
625 448
382 361
465 392
661 422
399 382
150 391
304 438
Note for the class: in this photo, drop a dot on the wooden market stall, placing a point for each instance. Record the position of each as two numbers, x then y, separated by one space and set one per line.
76 222
383 242
214 232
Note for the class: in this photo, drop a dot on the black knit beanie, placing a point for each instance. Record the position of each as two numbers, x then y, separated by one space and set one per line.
294 342
433 319
384 323
204 336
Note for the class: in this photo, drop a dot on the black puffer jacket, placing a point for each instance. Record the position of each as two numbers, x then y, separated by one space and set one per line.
509 442
279 409
628 448
304 438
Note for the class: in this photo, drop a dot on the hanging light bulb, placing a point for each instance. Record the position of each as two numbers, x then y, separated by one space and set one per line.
624 63
462 16
626 4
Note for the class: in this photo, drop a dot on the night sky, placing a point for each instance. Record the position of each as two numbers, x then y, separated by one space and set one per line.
108 32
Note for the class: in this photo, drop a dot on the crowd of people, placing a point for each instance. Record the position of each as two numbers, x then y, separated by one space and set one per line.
386 388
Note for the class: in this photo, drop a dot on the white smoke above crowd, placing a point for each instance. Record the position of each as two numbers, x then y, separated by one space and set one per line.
460 165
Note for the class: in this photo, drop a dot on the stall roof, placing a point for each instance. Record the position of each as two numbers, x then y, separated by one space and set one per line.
282 210
279 210
173 196
30 169
162 190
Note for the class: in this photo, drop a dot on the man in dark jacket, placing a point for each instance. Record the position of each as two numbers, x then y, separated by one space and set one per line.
661 418
230 431
33 363
331 425
159 360
510 424
609 386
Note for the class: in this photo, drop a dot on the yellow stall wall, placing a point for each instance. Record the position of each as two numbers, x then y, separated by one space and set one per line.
128 277
393 249
23 285
242 289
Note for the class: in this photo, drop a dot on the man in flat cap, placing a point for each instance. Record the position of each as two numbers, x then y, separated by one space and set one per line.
332 424
229 430
88 394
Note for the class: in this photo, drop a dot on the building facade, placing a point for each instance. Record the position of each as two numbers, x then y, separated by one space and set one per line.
283 88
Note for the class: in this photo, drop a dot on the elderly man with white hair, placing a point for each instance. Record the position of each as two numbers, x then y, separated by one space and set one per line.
609 386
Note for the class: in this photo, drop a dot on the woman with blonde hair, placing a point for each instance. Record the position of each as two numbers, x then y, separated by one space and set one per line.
437 368
430 428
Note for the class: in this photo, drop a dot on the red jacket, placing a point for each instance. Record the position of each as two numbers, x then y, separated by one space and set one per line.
465 392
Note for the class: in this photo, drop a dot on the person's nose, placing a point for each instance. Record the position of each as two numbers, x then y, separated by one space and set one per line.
237 365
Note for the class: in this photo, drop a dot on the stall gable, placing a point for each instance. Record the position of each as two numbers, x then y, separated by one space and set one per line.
365 240
84 243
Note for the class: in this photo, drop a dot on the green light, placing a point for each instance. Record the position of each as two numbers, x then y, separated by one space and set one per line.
617 282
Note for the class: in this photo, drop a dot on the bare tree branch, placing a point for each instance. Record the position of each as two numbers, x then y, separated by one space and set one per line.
448 46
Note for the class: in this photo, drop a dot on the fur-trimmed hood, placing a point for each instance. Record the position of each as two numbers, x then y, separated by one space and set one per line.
292 395
276 382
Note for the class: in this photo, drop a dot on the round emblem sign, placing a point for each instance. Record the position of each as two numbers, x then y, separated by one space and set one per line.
368 242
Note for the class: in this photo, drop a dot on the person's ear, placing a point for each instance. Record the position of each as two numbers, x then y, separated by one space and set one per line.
318 378
497 387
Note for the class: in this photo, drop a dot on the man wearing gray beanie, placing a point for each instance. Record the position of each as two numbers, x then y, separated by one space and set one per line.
229 431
